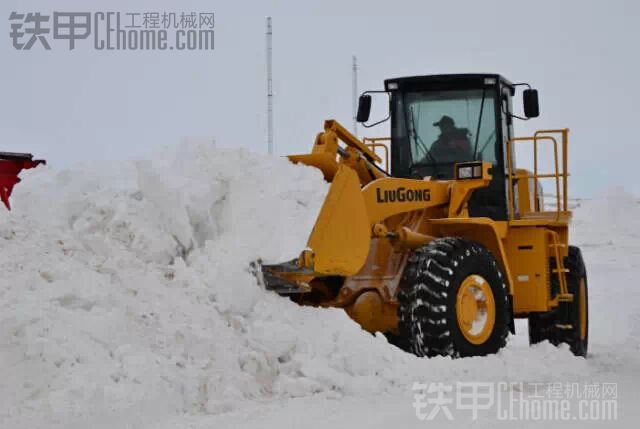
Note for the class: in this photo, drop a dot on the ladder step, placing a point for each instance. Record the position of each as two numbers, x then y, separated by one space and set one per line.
565 297
565 327
562 270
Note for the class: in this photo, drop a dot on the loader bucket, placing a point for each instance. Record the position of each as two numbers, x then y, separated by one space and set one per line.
341 236
338 244
11 164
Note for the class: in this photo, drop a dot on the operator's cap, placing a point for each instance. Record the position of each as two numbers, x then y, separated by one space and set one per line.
445 120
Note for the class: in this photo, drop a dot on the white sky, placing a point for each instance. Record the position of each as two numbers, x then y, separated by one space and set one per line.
85 105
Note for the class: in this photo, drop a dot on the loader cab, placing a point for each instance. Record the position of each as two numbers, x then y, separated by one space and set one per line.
438 121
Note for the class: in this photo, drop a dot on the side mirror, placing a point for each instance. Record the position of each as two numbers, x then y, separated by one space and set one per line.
530 99
364 108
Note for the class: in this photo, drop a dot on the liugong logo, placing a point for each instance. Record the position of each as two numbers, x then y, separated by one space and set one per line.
402 194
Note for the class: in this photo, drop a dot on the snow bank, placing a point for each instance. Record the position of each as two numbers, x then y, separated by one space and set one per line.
611 218
125 296
607 228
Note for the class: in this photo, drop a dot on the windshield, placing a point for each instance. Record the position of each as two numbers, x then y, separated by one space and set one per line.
437 129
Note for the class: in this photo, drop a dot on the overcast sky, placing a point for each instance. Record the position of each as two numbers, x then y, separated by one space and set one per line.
71 106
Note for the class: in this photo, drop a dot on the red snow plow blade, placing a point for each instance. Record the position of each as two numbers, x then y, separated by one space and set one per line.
11 164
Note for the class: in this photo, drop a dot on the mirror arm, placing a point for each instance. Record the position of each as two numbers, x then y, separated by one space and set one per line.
511 115
388 114
376 123
513 85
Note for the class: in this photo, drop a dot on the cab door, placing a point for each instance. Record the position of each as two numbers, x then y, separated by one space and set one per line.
491 201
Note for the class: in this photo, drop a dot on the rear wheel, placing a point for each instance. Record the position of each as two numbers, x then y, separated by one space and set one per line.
453 300
569 323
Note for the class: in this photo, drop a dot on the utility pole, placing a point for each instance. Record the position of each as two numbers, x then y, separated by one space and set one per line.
354 88
269 89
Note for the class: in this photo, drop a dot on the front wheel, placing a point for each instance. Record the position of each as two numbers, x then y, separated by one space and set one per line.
453 300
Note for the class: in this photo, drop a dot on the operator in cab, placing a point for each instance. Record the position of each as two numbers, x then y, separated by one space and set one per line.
453 144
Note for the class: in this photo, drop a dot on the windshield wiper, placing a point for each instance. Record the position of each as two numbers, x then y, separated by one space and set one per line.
486 142
475 146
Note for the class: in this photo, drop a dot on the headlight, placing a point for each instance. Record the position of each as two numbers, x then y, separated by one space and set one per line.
469 170
465 172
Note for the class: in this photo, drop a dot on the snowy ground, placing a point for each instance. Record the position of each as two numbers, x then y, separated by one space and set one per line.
125 301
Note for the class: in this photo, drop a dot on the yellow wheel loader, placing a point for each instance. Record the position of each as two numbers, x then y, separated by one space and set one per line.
442 243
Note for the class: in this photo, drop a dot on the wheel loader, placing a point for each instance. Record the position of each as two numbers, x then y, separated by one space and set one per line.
442 243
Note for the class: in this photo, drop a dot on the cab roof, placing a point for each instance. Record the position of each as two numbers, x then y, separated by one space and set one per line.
443 82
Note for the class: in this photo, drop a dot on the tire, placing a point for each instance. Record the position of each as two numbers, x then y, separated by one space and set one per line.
438 297
553 326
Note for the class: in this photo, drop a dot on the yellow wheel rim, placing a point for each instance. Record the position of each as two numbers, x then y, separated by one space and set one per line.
475 309
583 309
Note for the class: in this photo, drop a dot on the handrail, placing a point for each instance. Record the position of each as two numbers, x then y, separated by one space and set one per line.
374 143
564 132
541 135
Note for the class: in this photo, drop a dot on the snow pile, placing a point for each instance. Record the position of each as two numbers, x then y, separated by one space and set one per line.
611 218
125 296
129 284
607 228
